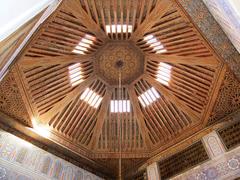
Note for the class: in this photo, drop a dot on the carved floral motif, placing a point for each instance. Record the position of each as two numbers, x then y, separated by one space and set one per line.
11 102
228 100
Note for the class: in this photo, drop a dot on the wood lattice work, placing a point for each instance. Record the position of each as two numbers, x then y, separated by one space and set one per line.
48 85
60 35
176 34
230 135
67 76
189 157
190 83
163 119
131 135
77 120
122 17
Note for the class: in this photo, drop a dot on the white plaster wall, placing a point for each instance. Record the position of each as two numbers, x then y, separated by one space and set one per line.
14 13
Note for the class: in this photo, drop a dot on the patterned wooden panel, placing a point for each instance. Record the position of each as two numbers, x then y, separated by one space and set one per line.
231 135
191 156
140 176
11 102
113 52
127 164
228 100
177 35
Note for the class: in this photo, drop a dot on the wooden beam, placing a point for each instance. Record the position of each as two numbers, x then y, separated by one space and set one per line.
76 9
61 104
45 61
100 118
181 105
139 115
188 60
160 9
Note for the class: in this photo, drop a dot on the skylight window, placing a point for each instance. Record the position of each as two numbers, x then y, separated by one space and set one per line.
148 97
155 44
119 106
164 73
119 28
92 98
85 43
75 74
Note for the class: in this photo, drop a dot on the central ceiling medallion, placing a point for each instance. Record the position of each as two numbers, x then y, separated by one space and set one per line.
119 55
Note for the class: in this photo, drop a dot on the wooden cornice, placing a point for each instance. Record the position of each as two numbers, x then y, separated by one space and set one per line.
181 105
76 9
45 61
188 60
139 116
61 104
100 118
160 9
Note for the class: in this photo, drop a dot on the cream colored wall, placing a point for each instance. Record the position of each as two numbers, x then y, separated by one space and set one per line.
236 6
227 14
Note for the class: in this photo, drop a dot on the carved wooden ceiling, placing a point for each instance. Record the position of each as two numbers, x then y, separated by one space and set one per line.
67 78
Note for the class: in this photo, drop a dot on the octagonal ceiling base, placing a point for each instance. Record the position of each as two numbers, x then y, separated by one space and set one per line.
115 53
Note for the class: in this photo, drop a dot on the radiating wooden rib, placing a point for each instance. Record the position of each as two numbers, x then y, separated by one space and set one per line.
163 110
160 9
156 120
172 98
90 121
128 5
189 60
81 125
75 8
82 117
100 118
46 61
153 117
141 12
48 85
102 14
95 11
113 131
59 121
115 18
121 18
178 83
179 76
149 6
139 116
60 105
32 83
134 13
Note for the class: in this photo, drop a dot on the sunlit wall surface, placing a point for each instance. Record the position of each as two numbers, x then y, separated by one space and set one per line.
227 14
22 160
15 13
